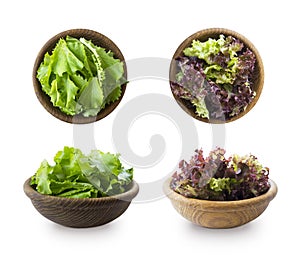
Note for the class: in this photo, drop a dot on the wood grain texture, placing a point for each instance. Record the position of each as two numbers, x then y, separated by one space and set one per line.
203 35
81 212
99 40
220 214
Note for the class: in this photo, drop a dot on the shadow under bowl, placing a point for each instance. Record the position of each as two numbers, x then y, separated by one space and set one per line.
81 212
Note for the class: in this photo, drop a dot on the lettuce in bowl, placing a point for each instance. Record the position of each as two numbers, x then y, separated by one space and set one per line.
76 175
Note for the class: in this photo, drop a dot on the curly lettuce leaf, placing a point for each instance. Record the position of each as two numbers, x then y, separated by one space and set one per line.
191 85
44 73
220 56
96 58
201 109
113 71
40 179
63 94
219 184
66 164
204 50
79 50
64 60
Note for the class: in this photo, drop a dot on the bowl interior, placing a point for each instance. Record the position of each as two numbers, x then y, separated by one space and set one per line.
203 35
98 39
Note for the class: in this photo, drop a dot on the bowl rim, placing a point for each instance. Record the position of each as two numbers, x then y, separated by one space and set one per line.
127 196
210 205
44 99
210 32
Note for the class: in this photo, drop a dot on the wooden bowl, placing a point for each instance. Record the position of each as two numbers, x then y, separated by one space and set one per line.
99 40
81 212
220 214
203 35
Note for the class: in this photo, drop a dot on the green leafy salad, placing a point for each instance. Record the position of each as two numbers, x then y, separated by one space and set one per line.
80 77
77 175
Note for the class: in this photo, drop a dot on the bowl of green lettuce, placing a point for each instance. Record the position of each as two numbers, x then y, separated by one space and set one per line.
79 76
81 190
216 75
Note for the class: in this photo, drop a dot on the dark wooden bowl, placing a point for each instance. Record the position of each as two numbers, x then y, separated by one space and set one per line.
81 212
99 40
220 214
203 35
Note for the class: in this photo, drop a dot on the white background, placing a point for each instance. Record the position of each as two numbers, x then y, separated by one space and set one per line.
149 29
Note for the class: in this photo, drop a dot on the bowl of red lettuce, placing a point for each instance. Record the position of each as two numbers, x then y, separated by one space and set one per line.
79 76
216 75
218 191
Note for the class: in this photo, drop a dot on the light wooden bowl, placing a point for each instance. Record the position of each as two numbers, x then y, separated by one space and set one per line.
81 212
220 214
99 40
203 35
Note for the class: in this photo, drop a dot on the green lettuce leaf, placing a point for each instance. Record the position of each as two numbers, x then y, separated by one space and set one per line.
44 73
67 165
220 184
204 50
200 106
63 94
72 189
91 98
41 178
106 173
78 193
220 56
79 50
64 60
113 72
